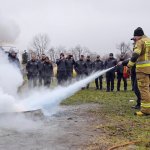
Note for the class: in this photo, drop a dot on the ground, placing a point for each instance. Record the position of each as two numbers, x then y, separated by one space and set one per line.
90 119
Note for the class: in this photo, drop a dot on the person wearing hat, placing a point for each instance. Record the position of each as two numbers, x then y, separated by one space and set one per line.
32 68
70 65
89 65
61 69
141 57
47 71
110 75
97 66
81 68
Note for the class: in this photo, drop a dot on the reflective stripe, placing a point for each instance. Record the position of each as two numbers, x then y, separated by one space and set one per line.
142 65
137 51
131 63
145 105
147 43
144 62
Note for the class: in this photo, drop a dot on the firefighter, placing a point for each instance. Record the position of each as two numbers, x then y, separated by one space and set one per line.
32 71
89 65
70 65
141 57
40 65
120 75
97 66
110 75
47 72
61 69
81 67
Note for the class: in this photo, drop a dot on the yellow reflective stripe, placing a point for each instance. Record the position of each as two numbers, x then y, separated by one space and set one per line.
130 63
137 51
145 105
142 65
147 43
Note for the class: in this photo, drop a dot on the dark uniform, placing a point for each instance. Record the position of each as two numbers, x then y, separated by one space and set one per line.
135 87
110 75
80 68
33 70
41 75
47 73
61 70
70 64
89 65
97 66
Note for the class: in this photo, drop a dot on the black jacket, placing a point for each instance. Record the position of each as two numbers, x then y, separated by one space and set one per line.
32 67
80 67
98 65
47 69
110 63
89 65
70 64
61 64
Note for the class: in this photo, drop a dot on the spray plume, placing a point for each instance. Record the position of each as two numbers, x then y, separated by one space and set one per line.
9 30
46 99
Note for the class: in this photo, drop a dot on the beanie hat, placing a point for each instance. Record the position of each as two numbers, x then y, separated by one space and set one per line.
138 32
111 54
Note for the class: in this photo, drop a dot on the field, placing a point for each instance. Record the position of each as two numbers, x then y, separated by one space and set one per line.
119 125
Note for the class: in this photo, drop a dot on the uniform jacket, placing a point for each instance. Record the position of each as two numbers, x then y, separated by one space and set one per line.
81 67
32 67
98 65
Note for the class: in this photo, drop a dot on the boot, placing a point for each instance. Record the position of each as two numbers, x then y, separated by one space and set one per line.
139 113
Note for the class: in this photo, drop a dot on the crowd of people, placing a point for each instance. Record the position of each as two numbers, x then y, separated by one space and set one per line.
40 71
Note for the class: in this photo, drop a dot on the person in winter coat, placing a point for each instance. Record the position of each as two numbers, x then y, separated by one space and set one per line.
32 71
110 75
70 65
47 72
89 65
97 66
61 69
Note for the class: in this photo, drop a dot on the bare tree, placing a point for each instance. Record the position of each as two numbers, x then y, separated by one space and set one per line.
52 54
78 51
123 48
40 43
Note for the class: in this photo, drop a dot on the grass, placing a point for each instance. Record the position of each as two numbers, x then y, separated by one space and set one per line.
120 124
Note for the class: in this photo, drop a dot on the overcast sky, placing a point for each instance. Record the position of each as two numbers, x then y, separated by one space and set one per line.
97 24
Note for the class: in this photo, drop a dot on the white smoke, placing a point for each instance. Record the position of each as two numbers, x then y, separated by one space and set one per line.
10 76
9 30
